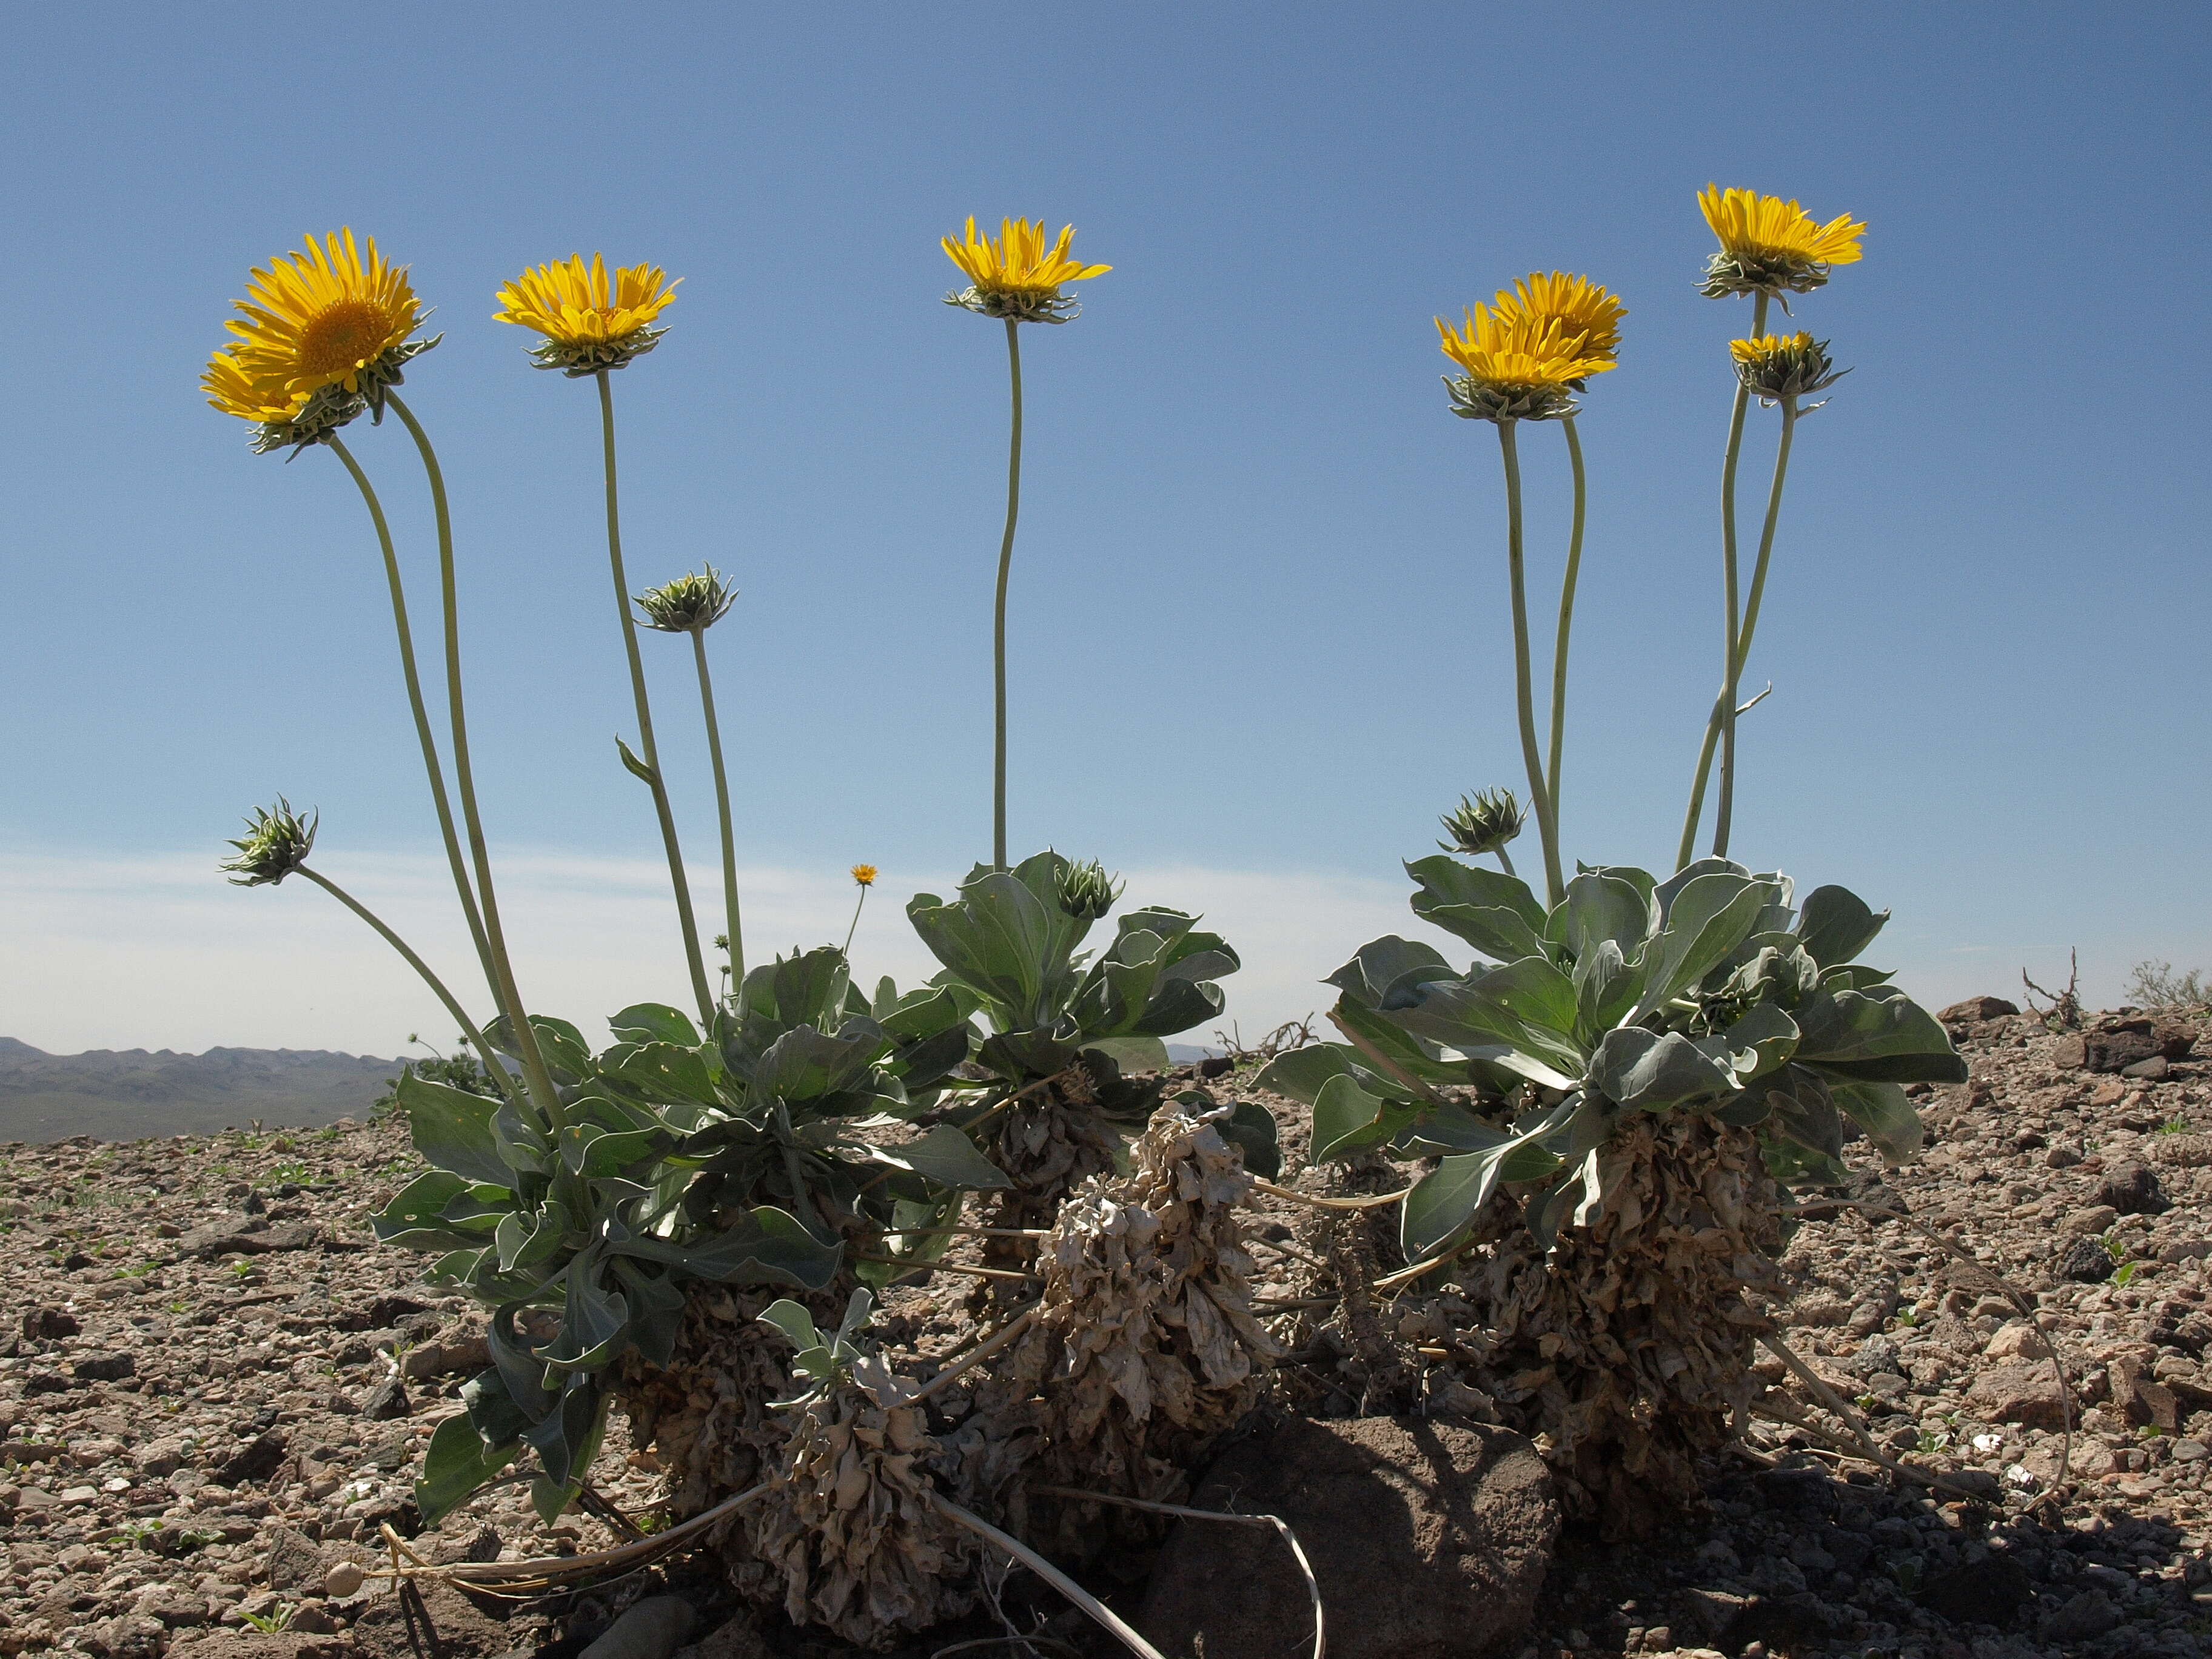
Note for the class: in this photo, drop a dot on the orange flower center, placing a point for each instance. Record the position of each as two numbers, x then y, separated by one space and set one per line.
344 336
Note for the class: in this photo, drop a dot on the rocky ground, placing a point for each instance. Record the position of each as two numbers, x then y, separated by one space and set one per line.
214 1389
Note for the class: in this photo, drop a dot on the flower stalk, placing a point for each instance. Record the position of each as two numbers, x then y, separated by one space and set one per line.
477 1040
651 772
1523 693
1724 703
508 993
998 609
1723 812
864 878
422 732
1566 618
735 929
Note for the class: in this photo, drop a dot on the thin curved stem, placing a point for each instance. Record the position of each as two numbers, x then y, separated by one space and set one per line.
1506 862
722 807
1566 618
1724 810
492 1067
1722 703
676 876
1523 692
855 926
437 773
534 1069
998 614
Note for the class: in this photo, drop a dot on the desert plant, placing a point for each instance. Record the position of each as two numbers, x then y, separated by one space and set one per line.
1609 1097
2153 986
1065 1029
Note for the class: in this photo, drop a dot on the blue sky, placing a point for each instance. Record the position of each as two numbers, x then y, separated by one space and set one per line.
1259 598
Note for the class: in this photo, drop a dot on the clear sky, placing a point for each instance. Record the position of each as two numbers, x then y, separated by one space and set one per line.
1260 634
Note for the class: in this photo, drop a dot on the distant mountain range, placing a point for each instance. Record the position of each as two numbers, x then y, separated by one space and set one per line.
129 1093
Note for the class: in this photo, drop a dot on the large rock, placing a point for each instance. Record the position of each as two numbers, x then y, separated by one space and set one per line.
2024 1391
1430 1538
1977 1008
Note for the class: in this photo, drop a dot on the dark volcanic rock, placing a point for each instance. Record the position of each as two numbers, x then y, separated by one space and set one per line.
1430 1538
1984 1592
50 1324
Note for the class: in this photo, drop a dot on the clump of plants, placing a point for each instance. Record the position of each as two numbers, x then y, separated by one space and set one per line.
1601 1113
659 1220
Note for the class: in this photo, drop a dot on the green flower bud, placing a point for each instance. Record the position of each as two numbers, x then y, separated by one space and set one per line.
689 604
1774 367
276 843
1086 890
1484 823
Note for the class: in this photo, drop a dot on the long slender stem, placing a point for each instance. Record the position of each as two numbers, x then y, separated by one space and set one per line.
854 927
492 1067
1724 811
534 1069
676 876
722 807
998 613
1566 618
1523 692
1723 703
422 732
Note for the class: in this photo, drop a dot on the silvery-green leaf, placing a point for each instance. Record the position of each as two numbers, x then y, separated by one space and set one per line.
1876 1036
1599 908
654 1022
794 1322
1344 1118
1132 1053
1836 925
1769 1032
945 1156
1706 920
1886 1114
452 1129
457 1465
1389 972
1494 912
1642 1070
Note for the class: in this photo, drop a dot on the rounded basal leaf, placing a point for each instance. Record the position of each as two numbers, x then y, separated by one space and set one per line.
1876 1036
457 1464
452 1129
1599 908
1390 972
1836 925
1346 1117
653 1022
1648 1071
1706 920
946 1157
1494 912
1885 1113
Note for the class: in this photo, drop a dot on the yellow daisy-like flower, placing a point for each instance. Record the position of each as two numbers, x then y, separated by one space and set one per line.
865 874
1777 366
1579 305
1768 244
322 335
589 323
1520 370
1015 274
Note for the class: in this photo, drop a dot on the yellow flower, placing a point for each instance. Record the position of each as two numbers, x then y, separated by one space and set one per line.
1014 274
1579 305
1777 366
232 390
1522 369
865 874
1768 244
588 324
323 335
